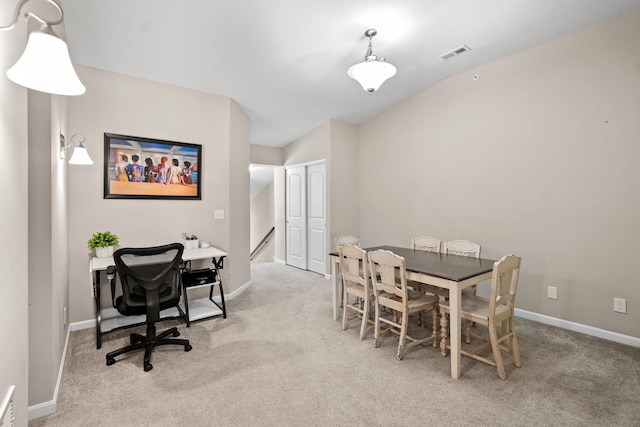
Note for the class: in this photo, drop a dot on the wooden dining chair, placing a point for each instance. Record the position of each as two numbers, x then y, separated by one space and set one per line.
347 239
462 248
389 277
357 293
427 244
498 310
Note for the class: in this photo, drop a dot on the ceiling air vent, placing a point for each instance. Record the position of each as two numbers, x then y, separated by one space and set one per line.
455 52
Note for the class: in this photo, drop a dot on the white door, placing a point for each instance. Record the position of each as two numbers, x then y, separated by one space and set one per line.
296 200
316 218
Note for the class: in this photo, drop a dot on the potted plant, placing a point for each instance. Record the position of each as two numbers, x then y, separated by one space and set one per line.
103 242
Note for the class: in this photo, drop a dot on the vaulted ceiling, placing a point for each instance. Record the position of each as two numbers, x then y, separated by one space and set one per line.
285 61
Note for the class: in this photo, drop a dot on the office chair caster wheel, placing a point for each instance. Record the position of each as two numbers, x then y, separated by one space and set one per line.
110 361
148 367
176 334
188 347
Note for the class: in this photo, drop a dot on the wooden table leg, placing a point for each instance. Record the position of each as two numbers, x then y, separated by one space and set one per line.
455 299
334 283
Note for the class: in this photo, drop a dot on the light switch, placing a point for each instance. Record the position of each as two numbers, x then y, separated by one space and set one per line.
218 214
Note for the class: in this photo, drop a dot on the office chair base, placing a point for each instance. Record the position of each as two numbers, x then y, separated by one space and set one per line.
148 344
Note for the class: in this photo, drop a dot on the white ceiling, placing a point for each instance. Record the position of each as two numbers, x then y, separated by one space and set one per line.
285 61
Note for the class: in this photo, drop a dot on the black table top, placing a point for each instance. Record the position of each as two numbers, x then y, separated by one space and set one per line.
449 267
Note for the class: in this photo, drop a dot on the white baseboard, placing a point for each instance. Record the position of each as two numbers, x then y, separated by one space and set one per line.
48 408
237 292
279 261
578 327
84 324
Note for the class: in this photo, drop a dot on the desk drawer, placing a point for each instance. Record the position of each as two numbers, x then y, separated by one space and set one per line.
198 277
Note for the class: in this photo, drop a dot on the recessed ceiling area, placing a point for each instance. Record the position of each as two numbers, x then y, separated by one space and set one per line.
285 61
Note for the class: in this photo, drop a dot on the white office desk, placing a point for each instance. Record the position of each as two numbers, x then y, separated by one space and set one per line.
108 319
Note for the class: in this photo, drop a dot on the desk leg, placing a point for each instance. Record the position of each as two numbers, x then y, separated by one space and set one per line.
455 299
96 299
219 265
334 282
185 299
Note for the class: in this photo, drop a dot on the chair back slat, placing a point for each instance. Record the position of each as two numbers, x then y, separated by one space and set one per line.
426 243
388 273
353 266
462 248
504 283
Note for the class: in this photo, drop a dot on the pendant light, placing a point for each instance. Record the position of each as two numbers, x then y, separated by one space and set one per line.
373 71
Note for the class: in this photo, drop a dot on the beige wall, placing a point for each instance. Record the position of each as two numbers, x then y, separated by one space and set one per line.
261 222
48 249
263 155
238 185
537 157
125 105
343 182
311 147
14 224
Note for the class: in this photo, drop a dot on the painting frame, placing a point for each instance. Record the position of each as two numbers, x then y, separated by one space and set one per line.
148 168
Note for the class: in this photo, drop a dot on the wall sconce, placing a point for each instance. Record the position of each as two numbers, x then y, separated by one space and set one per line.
45 64
80 154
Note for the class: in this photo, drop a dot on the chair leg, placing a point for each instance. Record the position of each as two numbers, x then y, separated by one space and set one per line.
403 335
365 317
111 357
515 350
467 331
444 326
146 363
136 338
376 330
497 355
148 343
345 303
435 325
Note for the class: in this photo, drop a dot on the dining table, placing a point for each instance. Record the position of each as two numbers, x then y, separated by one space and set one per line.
451 272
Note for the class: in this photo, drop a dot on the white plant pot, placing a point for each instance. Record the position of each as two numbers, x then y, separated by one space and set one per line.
104 252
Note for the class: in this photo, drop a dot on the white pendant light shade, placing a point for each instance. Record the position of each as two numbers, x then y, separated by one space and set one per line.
80 156
46 66
371 74
373 71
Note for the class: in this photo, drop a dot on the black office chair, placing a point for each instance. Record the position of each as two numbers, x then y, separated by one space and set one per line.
150 279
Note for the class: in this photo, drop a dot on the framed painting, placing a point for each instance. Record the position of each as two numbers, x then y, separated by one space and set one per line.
145 168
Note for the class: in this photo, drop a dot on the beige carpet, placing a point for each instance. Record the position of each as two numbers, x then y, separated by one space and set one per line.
280 360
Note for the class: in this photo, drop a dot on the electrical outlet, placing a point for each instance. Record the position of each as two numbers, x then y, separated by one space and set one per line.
218 214
620 305
552 292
